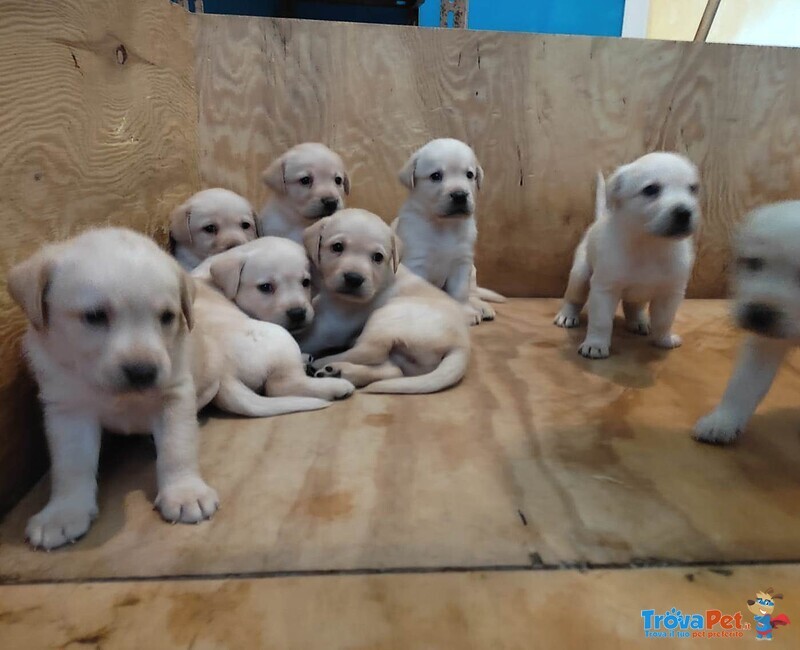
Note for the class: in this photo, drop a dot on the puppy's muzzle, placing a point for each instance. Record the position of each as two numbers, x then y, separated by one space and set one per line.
459 203
761 319
140 375
297 317
680 223
351 283
330 205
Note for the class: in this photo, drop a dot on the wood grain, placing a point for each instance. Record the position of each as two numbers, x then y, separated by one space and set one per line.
97 126
537 452
475 611
543 113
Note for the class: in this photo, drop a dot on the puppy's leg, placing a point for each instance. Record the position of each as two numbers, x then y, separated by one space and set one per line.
636 319
74 443
756 369
662 315
577 292
360 375
368 351
182 495
457 286
295 382
602 305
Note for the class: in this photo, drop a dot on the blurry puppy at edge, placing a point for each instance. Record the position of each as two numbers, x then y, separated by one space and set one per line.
766 303
208 223
108 341
308 182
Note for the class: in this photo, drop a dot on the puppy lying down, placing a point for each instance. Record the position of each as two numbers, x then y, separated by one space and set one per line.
766 303
208 223
406 335
639 250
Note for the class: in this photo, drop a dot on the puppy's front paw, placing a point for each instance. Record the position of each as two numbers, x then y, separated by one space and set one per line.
567 319
668 342
60 522
718 428
486 311
593 350
188 501
332 388
640 326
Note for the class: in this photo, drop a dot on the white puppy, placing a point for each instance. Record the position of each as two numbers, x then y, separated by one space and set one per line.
208 223
108 340
437 222
638 250
766 304
409 337
308 182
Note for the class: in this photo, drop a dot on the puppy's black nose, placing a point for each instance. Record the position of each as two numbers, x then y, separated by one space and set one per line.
353 280
140 375
329 204
296 315
681 217
459 197
760 317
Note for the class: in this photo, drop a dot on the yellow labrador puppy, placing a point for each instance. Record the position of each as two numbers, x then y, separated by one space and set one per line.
639 250
437 223
208 223
108 341
269 279
409 337
308 182
767 305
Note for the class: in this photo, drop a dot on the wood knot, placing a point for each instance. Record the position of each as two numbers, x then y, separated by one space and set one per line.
122 54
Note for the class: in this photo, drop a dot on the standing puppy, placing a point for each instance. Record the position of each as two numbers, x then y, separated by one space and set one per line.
767 305
437 222
108 341
208 223
638 250
309 182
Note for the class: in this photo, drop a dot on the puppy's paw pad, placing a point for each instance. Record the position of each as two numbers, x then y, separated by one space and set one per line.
717 428
327 372
188 501
593 350
341 389
640 327
567 321
59 524
668 342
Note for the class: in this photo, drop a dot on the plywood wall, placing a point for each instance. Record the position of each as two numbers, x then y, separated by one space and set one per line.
543 113
97 125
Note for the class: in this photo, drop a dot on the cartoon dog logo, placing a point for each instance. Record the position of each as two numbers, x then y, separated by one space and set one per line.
762 608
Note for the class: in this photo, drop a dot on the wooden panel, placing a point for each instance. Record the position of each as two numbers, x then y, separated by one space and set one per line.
97 125
543 113
509 611
539 456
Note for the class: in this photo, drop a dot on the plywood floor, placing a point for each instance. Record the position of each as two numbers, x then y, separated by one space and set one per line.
539 464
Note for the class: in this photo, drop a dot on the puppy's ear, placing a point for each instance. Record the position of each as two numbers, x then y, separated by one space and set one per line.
180 224
408 173
188 291
28 282
397 252
478 176
274 176
615 187
312 239
255 223
346 178
226 273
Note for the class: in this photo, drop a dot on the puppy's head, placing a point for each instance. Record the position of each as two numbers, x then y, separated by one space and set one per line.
268 279
443 177
355 252
767 277
109 306
656 194
213 221
310 178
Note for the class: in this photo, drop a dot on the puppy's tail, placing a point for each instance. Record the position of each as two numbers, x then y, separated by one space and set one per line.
488 295
448 373
600 196
235 397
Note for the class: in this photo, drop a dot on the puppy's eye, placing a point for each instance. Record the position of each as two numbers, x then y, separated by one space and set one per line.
167 317
337 247
752 264
470 175
652 190
211 229
436 177
338 180
245 225
694 188
266 287
96 318
377 258
306 282
306 180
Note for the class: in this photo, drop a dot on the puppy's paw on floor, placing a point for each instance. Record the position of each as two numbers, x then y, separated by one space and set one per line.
592 350
567 319
188 501
333 388
472 315
640 326
718 428
668 342
329 371
486 311
59 523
